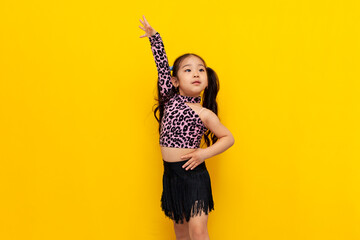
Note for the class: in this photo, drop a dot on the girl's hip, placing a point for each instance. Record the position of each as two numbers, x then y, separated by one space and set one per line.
171 168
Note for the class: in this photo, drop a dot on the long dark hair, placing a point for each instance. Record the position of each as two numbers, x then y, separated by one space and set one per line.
208 97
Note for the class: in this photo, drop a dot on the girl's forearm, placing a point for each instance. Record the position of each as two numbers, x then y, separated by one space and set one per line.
220 146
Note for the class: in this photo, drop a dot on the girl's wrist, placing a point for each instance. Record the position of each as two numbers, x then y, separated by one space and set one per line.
203 153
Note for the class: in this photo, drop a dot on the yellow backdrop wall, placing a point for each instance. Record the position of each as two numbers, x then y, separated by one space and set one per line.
79 149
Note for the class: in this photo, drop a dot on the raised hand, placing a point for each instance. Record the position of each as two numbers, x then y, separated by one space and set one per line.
149 31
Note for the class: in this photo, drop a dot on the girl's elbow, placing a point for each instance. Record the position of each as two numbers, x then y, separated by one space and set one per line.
231 140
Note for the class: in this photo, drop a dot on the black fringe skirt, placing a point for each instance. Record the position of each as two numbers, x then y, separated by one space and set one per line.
186 193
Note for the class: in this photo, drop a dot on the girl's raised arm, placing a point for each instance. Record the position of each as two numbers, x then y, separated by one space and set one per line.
160 57
162 64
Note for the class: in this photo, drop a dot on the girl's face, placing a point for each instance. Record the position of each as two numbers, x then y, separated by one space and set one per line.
191 70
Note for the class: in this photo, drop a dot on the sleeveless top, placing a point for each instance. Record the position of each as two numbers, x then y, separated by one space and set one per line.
180 127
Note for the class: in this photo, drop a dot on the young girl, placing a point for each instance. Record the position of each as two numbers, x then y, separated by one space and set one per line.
187 193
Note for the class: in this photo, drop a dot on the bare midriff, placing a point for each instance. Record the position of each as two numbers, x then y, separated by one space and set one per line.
170 154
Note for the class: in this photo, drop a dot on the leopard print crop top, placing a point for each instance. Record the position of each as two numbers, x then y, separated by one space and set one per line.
181 127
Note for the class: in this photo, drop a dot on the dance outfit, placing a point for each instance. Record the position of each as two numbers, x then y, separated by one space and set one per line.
186 193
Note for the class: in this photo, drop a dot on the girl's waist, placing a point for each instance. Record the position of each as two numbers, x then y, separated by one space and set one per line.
176 167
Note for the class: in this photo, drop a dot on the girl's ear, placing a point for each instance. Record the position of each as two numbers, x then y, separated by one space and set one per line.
175 81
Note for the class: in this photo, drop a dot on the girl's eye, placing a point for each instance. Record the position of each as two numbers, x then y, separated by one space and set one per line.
200 70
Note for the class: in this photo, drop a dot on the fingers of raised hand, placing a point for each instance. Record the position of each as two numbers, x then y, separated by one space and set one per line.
145 20
147 28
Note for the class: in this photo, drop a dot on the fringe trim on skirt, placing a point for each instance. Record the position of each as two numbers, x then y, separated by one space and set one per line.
186 193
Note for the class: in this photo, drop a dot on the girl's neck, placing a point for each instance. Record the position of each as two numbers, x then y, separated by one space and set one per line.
191 99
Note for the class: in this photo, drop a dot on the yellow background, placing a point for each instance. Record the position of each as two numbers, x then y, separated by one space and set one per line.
79 149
